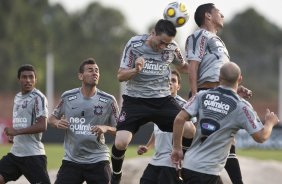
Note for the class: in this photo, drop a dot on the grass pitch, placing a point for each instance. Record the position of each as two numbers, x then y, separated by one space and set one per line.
55 153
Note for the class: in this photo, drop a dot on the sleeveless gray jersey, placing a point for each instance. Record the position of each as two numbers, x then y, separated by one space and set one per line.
163 143
221 114
208 49
26 109
83 113
153 79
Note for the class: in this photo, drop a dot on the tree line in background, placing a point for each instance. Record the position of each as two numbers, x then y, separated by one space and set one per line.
31 28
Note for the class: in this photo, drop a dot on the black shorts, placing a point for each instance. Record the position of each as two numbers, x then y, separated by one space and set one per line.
193 177
75 173
136 112
160 174
199 89
34 168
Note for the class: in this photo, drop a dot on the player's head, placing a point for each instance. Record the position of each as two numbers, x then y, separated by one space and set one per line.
175 82
89 72
27 78
208 13
162 35
166 27
230 74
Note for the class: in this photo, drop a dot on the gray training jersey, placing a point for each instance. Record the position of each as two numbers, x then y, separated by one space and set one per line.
163 144
208 49
83 113
153 80
221 113
26 109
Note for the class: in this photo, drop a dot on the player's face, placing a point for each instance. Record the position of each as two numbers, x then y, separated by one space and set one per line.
27 81
160 42
217 17
90 75
174 85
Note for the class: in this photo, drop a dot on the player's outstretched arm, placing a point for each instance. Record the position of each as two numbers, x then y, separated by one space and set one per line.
271 120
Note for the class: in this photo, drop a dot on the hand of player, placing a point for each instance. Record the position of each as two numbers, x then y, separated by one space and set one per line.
99 129
62 123
9 131
176 157
244 92
142 149
139 64
271 117
11 139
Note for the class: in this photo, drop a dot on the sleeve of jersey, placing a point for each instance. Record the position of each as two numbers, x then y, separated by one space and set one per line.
115 113
41 106
58 109
192 106
250 120
195 46
128 58
178 59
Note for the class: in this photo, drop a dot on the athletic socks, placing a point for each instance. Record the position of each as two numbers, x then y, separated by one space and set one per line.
233 168
117 158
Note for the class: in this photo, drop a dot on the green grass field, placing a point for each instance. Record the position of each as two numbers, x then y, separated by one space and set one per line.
55 153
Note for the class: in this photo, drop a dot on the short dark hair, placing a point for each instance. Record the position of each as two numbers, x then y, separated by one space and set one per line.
86 62
165 26
200 13
26 67
175 72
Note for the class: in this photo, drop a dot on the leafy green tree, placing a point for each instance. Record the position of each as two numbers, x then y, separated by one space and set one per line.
22 38
254 43
97 32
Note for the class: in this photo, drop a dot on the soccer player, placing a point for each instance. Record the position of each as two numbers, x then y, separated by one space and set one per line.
27 156
222 112
85 114
145 67
206 53
161 169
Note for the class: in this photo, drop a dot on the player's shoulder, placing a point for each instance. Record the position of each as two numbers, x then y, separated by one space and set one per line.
104 96
72 93
36 92
173 46
138 40
181 101
245 103
201 33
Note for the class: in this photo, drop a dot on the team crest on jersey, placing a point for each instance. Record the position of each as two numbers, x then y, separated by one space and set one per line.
24 104
122 117
103 100
72 98
165 55
98 110
137 44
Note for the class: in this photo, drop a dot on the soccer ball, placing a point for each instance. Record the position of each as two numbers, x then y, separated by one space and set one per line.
177 13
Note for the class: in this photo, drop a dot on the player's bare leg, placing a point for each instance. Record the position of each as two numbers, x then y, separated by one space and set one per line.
122 140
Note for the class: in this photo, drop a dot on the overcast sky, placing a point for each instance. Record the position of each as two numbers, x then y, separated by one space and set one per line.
140 14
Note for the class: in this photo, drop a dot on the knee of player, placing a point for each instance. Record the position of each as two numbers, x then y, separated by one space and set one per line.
122 139
121 145
189 130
